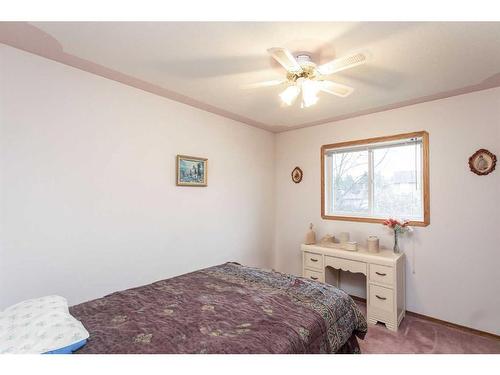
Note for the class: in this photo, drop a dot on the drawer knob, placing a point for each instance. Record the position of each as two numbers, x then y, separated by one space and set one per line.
314 278
382 298
314 260
380 274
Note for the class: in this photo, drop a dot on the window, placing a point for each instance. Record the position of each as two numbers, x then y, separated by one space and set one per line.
373 179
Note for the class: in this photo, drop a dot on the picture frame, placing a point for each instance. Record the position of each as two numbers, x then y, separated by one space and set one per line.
482 162
191 171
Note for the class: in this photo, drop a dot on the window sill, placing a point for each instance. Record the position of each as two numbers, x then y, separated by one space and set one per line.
423 223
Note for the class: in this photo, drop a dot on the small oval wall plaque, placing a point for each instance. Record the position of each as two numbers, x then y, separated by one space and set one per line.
297 175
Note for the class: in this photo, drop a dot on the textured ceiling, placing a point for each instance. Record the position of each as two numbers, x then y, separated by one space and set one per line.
208 62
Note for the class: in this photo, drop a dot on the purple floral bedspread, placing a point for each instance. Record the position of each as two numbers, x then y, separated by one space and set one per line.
224 309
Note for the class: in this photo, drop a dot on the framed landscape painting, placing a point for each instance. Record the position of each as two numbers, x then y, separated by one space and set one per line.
191 171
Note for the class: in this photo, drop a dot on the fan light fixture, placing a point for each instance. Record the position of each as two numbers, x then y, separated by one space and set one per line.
310 92
309 89
303 76
290 94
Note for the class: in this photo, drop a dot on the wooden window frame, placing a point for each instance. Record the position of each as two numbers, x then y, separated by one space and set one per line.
425 176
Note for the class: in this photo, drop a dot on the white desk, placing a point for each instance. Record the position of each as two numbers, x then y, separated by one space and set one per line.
385 278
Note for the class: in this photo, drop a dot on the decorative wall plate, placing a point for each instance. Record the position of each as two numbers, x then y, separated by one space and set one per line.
297 175
482 162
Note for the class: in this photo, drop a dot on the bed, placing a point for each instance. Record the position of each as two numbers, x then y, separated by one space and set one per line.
228 308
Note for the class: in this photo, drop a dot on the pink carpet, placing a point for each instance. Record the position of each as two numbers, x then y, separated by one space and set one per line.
416 335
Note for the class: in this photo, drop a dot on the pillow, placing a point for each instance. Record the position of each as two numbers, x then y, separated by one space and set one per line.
41 325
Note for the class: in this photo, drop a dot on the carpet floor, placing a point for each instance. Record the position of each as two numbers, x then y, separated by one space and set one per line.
417 335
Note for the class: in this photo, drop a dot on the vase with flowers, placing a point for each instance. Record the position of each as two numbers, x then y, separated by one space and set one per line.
399 227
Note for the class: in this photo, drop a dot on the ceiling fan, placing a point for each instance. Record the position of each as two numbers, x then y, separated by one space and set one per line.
304 76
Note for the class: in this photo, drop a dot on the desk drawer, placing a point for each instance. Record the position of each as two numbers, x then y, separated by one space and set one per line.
312 260
381 298
381 274
314 275
346 264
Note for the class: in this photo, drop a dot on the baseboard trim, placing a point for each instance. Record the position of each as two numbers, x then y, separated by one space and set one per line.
443 322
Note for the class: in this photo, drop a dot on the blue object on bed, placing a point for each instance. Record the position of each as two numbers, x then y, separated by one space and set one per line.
68 349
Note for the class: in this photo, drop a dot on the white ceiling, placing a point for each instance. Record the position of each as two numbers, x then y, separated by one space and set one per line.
210 61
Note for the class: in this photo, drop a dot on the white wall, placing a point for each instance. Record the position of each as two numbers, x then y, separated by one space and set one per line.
453 264
88 202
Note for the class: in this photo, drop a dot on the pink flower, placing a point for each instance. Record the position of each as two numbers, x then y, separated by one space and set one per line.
392 223
400 226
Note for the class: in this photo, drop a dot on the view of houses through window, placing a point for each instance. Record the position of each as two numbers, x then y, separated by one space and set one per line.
376 180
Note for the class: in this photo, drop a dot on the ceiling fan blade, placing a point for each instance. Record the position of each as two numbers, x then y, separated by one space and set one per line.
274 82
335 88
343 63
286 59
